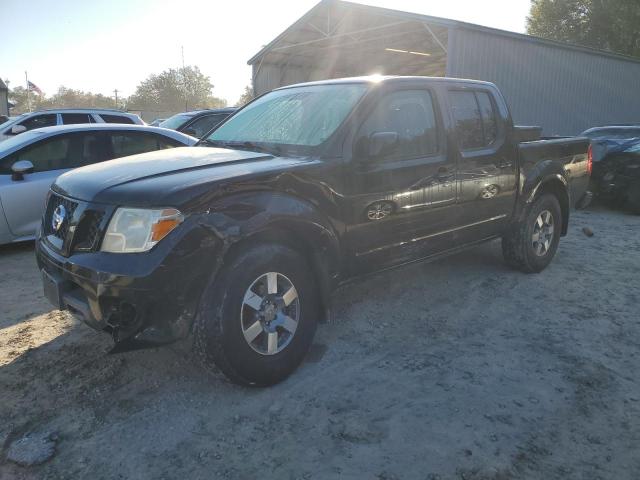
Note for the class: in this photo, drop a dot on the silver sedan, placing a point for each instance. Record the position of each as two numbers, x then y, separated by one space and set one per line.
31 161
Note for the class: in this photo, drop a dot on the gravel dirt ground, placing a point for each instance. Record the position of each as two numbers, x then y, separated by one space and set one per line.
458 369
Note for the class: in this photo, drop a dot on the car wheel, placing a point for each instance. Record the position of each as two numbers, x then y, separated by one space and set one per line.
531 244
257 319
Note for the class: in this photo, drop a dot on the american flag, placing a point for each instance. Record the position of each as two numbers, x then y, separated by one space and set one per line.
34 88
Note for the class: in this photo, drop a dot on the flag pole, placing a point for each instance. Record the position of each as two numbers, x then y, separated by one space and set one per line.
26 79
184 79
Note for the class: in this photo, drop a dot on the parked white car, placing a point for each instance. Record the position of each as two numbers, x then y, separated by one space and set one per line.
50 118
30 163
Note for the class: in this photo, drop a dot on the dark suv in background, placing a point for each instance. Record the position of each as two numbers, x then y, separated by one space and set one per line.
197 122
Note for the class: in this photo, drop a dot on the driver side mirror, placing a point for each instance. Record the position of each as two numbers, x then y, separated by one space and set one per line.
20 168
16 129
381 144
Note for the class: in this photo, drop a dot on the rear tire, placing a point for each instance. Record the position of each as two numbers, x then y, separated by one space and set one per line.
234 329
530 245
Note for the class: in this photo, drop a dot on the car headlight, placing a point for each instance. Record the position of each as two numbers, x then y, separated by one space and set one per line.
139 229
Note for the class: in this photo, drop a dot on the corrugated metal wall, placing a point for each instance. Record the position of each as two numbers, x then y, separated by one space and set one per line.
266 77
563 90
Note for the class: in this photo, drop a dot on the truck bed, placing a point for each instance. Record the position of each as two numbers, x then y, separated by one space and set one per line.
568 154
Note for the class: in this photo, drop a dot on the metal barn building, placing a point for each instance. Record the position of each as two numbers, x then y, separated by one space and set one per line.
563 88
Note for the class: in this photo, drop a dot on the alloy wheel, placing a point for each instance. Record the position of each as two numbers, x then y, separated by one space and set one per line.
270 313
542 233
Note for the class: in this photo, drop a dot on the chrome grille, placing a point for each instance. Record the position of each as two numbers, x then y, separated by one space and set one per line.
70 207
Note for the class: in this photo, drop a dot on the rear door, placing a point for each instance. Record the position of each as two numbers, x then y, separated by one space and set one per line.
23 200
401 201
486 176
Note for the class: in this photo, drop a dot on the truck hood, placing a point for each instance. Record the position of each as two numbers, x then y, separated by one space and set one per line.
158 178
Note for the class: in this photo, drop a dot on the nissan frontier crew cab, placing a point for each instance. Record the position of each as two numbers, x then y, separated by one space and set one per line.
241 239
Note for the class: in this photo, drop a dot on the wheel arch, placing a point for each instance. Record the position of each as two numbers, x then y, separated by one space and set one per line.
557 186
282 219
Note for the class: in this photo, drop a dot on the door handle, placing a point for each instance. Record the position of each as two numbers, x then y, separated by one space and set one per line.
444 173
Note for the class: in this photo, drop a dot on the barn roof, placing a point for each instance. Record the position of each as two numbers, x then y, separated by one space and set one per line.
321 27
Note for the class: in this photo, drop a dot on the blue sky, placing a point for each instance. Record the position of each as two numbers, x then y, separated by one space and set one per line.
100 45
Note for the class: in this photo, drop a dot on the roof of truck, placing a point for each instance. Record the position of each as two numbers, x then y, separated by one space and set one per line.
387 79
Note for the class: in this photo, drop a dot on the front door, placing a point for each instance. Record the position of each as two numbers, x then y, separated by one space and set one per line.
400 181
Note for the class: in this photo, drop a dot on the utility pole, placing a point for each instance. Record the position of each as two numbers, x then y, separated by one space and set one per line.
184 79
26 79
116 94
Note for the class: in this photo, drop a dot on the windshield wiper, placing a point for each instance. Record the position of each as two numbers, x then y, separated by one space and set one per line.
271 149
211 143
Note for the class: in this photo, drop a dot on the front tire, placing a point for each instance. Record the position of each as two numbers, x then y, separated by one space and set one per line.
531 244
257 320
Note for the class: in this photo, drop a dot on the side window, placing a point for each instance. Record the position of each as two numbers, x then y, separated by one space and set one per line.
132 143
116 119
466 114
91 148
410 114
46 155
40 121
489 122
203 124
475 117
73 118
164 143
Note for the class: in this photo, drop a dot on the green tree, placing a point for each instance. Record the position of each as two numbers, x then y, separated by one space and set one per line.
18 96
63 98
246 97
605 24
170 90
69 98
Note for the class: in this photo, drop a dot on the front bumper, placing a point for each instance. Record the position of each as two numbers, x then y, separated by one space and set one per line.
151 297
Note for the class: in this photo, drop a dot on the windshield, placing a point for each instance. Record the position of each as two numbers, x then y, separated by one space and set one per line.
10 121
175 122
18 140
298 117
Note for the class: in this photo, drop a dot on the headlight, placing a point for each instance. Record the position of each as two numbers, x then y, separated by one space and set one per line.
138 229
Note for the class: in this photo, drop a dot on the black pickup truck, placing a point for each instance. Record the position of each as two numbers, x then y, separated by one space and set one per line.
241 239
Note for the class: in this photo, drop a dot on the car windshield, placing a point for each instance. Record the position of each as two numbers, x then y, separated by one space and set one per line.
18 140
175 122
294 117
10 120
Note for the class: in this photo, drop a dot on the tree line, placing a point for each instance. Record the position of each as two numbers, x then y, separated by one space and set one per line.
612 25
173 90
